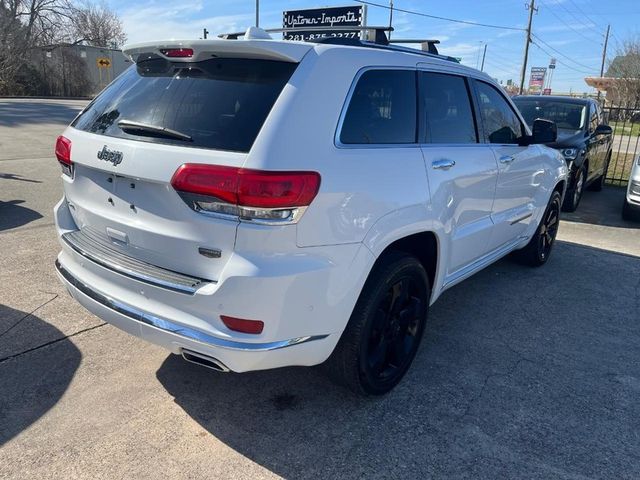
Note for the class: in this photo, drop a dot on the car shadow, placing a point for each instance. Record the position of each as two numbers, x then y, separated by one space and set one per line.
20 178
601 208
31 381
522 373
16 113
13 215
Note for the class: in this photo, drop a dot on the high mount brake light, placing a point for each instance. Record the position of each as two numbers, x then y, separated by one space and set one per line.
177 52
263 196
63 154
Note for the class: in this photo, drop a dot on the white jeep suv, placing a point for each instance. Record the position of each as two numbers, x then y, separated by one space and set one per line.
253 204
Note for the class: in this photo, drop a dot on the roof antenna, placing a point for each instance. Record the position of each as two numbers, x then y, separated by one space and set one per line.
390 17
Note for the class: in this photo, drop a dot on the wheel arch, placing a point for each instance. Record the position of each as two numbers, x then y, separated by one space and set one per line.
425 246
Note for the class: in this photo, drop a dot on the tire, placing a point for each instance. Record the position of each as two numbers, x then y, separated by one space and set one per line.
574 195
538 250
385 328
598 183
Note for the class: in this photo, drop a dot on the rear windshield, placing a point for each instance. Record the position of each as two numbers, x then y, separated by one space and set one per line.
567 116
219 103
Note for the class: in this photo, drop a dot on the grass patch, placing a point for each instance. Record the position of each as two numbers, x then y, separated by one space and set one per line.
626 128
620 168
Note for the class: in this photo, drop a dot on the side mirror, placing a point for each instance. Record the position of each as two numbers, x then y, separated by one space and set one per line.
604 130
544 131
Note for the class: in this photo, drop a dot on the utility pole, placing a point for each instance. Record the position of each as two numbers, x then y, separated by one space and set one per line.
483 57
257 13
604 54
205 32
532 8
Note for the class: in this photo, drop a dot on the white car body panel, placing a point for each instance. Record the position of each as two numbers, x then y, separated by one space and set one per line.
304 279
633 193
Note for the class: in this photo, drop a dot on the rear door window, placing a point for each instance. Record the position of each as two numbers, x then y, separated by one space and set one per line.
219 104
446 107
500 122
382 109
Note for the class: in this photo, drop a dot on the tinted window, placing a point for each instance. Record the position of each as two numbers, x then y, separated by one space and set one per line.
382 109
567 116
501 124
220 103
447 109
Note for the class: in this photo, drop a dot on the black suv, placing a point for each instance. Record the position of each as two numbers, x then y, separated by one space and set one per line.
583 139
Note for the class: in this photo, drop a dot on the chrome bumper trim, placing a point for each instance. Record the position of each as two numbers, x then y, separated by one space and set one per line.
94 247
171 327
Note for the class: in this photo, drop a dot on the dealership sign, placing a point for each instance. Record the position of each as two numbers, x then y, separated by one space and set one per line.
325 18
536 80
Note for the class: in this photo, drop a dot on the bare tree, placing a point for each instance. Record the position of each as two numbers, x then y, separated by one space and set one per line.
625 67
27 26
24 25
96 24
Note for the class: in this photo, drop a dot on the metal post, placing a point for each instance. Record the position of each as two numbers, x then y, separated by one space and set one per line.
205 32
257 13
532 8
390 17
604 54
483 57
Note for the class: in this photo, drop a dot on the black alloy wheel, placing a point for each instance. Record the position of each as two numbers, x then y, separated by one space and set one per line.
386 326
395 328
537 251
548 230
574 195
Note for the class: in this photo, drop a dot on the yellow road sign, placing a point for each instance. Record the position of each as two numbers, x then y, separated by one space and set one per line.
103 62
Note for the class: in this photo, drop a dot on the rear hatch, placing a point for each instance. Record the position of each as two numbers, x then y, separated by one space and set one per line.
187 103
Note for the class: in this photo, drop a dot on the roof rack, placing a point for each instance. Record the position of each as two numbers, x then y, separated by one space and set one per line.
374 37
427 45
372 33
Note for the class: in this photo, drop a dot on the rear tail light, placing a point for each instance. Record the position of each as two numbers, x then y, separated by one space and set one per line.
243 326
263 196
63 154
177 52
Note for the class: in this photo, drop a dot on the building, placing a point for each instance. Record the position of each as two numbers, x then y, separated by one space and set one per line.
77 70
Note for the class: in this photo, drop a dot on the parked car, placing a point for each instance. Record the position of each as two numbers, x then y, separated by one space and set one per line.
253 204
583 139
631 206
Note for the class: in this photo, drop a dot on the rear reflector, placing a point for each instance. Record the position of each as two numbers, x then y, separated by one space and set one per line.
177 52
243 326
63 154
256 192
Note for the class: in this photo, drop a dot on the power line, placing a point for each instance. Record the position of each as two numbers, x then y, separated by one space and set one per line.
568 25
560 53
560 61
579 21
583 12
411 12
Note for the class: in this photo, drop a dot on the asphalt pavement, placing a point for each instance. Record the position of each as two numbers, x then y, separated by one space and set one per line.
523 373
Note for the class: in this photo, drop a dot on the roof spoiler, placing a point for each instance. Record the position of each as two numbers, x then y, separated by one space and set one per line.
207 49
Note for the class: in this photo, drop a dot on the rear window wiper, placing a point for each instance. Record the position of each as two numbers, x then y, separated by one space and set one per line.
152 130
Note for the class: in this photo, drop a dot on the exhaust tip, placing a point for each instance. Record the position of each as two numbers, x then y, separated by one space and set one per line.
204 361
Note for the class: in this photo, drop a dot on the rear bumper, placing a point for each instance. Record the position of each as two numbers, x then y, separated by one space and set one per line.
305 298
237 356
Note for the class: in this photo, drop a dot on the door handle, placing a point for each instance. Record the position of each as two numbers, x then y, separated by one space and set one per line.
443 164
507 159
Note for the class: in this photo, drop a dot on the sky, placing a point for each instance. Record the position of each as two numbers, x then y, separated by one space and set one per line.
572 31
